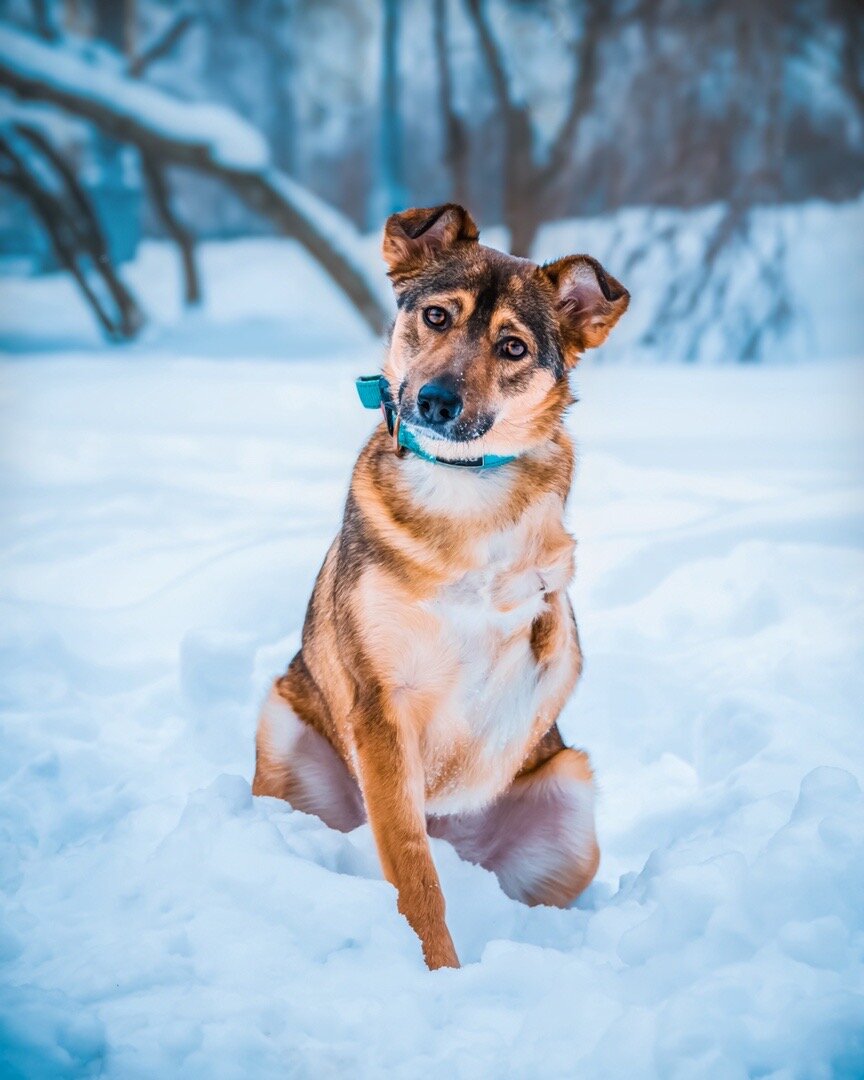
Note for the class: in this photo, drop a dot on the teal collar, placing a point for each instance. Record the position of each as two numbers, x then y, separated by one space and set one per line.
374 391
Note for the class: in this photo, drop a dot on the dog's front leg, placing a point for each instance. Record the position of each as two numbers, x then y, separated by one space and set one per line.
391 779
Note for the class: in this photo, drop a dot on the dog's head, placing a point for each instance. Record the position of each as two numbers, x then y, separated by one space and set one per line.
483 341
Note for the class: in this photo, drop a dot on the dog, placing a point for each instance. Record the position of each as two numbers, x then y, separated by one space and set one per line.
440 645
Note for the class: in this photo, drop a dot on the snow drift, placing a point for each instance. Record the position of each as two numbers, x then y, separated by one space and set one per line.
167 509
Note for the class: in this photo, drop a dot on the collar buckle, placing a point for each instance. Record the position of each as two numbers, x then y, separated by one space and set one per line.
394 424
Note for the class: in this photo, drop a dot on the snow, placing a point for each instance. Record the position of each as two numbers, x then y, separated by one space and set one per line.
166 509
809 254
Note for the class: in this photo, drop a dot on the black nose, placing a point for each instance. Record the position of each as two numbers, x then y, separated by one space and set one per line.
438 403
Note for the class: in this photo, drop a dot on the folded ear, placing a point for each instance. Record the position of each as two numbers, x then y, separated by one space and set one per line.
590 302
415 236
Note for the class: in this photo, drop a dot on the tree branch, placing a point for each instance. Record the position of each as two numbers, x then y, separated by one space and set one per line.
86 219
91 237
455 142
582 93
161 44
154 173
212 140
73 230
492 54
520 205
851 22
44 23
157 185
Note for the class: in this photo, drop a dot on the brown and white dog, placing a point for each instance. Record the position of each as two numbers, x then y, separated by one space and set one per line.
440 644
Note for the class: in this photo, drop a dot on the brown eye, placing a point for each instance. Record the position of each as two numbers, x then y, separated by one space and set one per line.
513 348
436 317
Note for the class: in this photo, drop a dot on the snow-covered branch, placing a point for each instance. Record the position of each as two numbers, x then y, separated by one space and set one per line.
209 138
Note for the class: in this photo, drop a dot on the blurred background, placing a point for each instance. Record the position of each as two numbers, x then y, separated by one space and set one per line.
713 150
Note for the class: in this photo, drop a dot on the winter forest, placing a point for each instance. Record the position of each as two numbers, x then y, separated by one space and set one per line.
191 202
132 119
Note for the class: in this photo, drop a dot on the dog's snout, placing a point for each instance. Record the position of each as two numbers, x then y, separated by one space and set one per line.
438 403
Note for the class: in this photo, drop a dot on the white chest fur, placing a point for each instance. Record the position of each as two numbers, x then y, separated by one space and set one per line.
459 665
496 689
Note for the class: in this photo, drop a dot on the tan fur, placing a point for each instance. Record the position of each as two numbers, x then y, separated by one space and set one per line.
440 645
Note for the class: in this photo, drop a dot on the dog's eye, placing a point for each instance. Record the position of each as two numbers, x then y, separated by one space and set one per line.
513 348
436 317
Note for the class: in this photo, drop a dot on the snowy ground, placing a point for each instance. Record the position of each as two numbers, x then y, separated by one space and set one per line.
165 511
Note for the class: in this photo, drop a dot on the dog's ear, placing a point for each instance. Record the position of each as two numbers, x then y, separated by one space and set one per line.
590 302
415 236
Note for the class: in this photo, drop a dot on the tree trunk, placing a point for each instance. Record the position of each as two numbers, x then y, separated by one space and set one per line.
524 194
154 174
523 227
391 186
175 228
455 137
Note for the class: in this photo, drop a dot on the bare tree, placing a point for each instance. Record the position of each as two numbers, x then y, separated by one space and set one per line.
455 134
391 187
270 27
531 170
693 302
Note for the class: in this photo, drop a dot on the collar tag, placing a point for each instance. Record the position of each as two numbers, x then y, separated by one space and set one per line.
369 390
